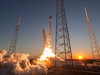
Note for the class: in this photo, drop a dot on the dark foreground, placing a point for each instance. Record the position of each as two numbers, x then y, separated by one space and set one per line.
60 71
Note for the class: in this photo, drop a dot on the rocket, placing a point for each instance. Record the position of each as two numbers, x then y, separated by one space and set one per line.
50 19
47 40
45 37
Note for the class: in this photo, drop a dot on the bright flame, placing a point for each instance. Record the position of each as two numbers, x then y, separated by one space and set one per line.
80 57
47 53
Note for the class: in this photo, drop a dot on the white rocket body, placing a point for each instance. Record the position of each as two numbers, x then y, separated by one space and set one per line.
49 39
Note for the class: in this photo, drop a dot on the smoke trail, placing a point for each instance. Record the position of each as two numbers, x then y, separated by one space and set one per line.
20 65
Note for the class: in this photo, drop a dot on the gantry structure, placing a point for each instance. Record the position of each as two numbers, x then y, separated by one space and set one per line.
62 40
14 40
93 41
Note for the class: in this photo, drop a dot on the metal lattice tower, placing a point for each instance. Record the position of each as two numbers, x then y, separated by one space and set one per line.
14 40
93 40
62 41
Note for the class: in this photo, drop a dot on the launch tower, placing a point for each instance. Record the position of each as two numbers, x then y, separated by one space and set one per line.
14 40
62 41
93 40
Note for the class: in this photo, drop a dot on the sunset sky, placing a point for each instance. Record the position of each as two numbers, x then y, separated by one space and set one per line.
35 16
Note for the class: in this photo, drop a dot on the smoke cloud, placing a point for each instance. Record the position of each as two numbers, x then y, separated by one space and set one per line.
20 65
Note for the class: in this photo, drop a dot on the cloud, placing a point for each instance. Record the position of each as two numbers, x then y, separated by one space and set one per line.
20 65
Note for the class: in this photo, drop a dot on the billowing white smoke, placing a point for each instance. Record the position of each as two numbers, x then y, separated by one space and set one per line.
50 62
2 53
19 65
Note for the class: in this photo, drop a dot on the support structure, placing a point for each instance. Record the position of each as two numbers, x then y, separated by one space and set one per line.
62 40
93 40
14 40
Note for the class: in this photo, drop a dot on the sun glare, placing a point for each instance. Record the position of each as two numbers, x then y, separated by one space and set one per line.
80 57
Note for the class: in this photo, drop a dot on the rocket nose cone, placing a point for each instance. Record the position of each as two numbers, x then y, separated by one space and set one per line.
50 17
43 30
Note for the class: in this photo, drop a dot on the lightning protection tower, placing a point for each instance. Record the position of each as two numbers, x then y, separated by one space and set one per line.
14 40
93 40
62 41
